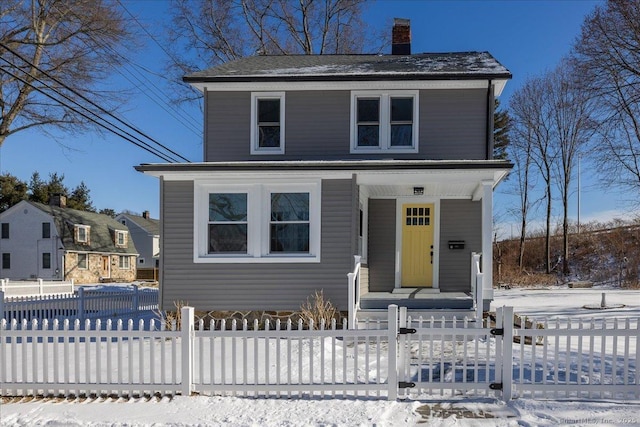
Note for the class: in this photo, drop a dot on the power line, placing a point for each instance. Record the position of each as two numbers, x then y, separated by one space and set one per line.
140 144
99 107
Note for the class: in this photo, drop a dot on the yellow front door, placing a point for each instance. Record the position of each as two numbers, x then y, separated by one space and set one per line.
417 245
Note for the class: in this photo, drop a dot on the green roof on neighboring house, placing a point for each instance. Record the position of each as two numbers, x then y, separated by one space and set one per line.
101 234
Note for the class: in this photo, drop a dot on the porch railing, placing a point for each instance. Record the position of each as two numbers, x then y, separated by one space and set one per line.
477 285
354 292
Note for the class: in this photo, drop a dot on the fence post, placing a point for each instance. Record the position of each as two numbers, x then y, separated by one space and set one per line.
40 287
3 283
499 347
392 376
187 335
402 345
136 300
351 323
80 306
507 359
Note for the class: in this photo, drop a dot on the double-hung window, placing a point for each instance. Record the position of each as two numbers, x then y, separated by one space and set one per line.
289 225
121 238
123 262
227 233
267 222
384 122
82 233
267 123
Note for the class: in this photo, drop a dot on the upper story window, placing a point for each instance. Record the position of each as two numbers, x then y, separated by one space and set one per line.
267 123
121 238
5 230
384 122
82 233
46 230
267 222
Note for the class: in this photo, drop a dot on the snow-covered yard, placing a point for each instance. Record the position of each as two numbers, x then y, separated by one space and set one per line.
215 410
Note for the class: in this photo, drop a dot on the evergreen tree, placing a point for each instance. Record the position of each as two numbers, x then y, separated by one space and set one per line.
501 124
12 191
80 199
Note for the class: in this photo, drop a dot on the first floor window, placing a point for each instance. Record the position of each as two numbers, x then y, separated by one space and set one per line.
258 222
289 227
124 262
228 223
6 260
83 261
46 260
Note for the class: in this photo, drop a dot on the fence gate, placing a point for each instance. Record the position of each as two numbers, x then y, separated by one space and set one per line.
454 357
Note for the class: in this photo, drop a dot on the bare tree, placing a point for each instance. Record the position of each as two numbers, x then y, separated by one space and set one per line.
608 54
571 111
210 32
58 48
531 116
520 153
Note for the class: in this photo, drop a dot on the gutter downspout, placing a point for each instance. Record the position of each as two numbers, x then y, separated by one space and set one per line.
490 113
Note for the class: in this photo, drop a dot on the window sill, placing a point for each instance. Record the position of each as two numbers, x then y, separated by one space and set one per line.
266 259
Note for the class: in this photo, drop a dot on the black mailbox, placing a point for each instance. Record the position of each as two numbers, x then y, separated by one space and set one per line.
456 244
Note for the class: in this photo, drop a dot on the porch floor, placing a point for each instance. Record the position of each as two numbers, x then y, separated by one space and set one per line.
417 299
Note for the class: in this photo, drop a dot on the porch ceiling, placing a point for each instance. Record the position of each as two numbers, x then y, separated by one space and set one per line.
430 189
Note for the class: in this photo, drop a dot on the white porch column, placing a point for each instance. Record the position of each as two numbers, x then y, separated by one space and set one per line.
487 238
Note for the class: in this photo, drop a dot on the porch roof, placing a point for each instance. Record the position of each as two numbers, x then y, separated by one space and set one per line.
451 178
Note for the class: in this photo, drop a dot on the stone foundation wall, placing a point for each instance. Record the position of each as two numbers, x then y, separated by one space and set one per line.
261 315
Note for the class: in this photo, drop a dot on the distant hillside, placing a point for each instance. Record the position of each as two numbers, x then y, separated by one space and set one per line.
602 253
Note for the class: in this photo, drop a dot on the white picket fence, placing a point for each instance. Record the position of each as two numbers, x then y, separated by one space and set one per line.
84 304
400 358
18 288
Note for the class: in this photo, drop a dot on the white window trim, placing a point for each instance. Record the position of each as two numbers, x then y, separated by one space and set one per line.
255 148
86 267
121 258
258 221
87 229
124 238
385 121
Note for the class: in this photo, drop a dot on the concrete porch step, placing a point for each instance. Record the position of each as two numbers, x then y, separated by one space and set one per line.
417 299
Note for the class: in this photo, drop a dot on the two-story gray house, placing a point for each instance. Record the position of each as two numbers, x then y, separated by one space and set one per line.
312 160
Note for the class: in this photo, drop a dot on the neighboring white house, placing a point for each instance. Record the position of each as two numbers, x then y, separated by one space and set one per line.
145 232
55 242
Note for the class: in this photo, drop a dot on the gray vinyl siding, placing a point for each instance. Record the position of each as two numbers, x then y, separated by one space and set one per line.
459 220
452 126
382 245
248 286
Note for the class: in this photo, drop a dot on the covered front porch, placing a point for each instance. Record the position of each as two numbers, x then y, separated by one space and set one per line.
420 240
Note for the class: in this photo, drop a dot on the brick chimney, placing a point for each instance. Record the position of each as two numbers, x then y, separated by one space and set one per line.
401 37
145 214
58 200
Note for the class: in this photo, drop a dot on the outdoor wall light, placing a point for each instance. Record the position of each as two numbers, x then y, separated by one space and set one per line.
418 191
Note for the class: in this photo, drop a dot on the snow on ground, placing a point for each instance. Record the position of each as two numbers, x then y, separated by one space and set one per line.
430 410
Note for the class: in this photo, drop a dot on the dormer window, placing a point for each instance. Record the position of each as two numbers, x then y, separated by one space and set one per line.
121 238
267 123
82 233
384 122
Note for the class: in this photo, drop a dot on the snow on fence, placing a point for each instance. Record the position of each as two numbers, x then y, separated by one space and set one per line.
15 288
398 358
85 304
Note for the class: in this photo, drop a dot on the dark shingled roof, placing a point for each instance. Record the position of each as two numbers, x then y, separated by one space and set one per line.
424 66
101 236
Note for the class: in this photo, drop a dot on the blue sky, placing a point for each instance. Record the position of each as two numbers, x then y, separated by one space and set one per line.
528 37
